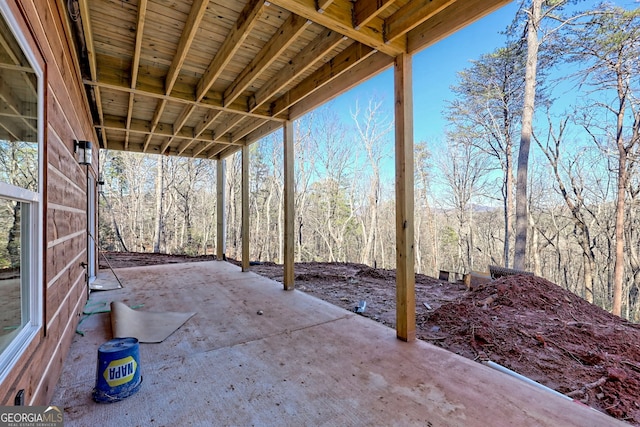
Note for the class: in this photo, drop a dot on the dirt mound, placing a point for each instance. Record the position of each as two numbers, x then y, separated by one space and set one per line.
548 334
374 273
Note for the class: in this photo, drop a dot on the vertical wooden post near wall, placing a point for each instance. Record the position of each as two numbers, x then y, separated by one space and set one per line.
405 258
220 204
245 208
289 214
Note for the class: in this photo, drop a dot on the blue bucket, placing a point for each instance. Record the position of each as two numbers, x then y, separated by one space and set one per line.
118 370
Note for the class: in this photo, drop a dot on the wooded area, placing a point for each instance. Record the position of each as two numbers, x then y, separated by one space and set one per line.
583 183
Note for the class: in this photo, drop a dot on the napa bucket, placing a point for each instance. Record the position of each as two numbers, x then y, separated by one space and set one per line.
118 370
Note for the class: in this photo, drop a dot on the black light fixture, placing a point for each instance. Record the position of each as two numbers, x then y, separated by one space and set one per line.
83 150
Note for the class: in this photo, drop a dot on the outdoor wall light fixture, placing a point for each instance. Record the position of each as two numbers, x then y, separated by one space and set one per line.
83 150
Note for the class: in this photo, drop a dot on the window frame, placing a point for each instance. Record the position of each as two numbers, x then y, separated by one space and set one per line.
33 255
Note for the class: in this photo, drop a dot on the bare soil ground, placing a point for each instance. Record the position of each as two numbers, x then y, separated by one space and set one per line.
524 323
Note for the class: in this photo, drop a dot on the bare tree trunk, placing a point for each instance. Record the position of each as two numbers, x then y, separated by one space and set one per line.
519 259
159 224
618 270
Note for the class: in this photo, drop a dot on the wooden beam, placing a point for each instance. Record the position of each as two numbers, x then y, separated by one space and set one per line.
245 23
313 52
177 98
161 130
203 125
191 26
245 208
364 70
322 5
93 67
338 17
179 124
365 10
284 37
226 126
220 207
405 257
229 151
411 15
247 127
289 207
135 63
264 130
345 60
449 21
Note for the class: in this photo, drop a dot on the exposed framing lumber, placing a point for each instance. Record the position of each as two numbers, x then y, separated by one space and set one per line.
411 15
15 106
142 14
338 17
198 9
178 124
284 37
365 10
264 130
322 5
209 103
314 52
162 103
245 208
220 208
405 256
209 119
93 66
364 70
289 209
228 151
449 21
247 20
333 69
222 130
248 127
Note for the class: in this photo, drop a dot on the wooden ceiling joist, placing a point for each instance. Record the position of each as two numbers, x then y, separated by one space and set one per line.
315 51
365 10
221 73
198 9
331 70
411 15
247 21
448 21
179 99
287 34
93 65
339 17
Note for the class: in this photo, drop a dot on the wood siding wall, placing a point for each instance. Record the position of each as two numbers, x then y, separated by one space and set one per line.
67 118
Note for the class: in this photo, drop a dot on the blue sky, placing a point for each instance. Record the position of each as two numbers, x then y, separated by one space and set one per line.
435 69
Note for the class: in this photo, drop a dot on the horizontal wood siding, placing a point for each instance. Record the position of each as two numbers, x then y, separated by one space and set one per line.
65 236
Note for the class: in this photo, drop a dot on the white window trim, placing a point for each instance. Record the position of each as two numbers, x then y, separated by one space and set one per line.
18 346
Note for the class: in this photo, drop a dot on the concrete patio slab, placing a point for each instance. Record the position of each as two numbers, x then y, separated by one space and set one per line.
302 362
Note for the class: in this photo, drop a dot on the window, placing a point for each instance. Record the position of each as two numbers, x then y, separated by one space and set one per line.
20 193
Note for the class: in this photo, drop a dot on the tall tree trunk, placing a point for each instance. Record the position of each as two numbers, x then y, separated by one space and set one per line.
618 270
159 225
519 259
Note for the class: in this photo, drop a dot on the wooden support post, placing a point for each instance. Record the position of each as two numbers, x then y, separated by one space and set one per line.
221 220
289 214
245 208
405 257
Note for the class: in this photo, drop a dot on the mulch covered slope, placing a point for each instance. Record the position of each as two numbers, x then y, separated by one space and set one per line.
548 334
524 323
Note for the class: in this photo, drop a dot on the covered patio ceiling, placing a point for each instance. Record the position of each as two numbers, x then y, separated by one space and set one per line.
202 78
